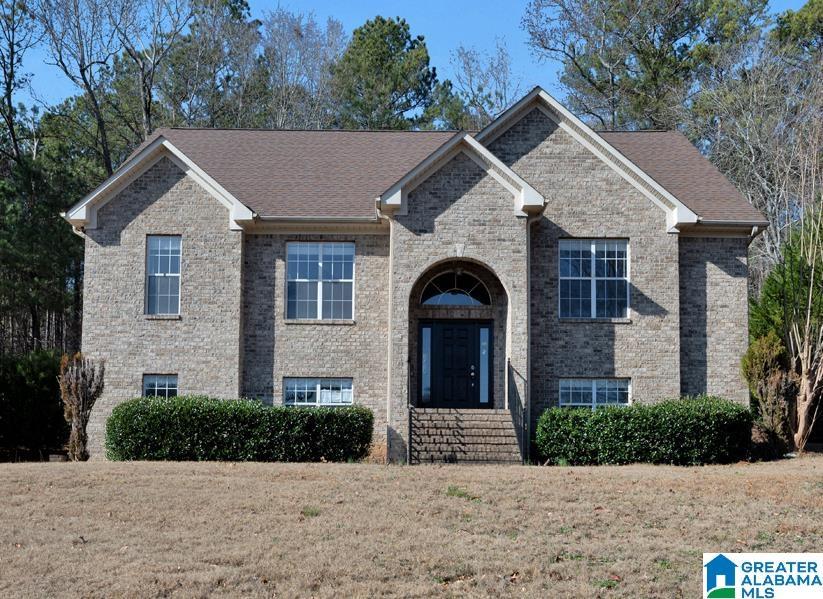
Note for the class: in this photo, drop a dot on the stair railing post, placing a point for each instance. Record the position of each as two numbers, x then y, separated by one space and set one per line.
409 410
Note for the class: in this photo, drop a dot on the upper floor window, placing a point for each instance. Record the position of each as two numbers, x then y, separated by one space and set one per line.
455 288
320 280
594 393
594 278
159 385
163 274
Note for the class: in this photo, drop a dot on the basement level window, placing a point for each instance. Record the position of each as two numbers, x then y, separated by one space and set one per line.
594 393
160 385
317 392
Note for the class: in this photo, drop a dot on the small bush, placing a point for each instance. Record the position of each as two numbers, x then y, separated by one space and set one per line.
773 386
703 430
203 428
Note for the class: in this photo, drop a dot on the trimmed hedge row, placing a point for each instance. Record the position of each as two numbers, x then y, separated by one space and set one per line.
690 431
203 428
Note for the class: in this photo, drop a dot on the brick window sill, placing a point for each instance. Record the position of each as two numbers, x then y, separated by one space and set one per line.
335 322
162 316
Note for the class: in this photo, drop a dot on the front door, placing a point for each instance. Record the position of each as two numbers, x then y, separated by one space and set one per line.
455 364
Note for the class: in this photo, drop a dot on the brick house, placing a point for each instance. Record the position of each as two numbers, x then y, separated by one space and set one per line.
457 284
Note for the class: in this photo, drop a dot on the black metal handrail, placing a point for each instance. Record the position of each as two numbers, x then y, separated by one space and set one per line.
519 410
410 410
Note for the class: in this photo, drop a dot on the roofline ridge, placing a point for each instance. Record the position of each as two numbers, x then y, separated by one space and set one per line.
270 130
636 131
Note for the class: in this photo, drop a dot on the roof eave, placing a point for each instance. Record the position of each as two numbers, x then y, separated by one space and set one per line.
725 228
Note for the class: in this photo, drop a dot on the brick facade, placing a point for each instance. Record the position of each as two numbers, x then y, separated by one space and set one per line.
202 346
460 213
588 199
274 348
688 307
714 316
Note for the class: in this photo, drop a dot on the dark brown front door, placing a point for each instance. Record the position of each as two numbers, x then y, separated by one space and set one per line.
455 364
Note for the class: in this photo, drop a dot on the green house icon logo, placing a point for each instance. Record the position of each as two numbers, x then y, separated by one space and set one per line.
720 578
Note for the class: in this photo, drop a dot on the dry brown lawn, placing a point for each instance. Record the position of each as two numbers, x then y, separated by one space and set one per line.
189 529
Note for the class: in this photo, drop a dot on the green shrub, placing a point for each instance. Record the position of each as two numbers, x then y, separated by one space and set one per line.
773 386
204 428
702 430
31 413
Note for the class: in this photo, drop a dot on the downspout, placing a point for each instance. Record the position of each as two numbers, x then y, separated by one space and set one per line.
382 216
531 219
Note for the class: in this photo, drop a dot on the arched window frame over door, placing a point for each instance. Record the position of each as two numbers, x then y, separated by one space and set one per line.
455 288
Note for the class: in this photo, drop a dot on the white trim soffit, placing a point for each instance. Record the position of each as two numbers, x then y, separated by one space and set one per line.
527 199
83 215
677 213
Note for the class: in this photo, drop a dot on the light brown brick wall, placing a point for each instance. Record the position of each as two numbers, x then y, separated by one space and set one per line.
274 348
586 198
459 212
714 316
202 346
233 288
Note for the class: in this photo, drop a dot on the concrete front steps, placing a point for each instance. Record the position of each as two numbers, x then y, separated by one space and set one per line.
450 436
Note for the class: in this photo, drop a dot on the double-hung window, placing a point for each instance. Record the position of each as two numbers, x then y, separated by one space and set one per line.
320 281
160 385
163 274
594 278
594 393
317 392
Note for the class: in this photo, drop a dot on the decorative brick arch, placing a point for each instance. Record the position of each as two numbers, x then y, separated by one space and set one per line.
497 312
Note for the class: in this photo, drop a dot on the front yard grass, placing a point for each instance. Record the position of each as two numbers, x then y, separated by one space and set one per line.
338 530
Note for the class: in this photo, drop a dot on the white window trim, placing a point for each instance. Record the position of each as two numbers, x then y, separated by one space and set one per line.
148 275
593 285
167 375
319 313
593 383
318 384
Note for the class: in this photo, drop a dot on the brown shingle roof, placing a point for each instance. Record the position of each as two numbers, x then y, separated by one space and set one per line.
336 174
339 174
670 159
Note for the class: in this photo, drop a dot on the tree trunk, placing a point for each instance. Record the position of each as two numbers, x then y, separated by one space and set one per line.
103 137
35 327
804 411
78 440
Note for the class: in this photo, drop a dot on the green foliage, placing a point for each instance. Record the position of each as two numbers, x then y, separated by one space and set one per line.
631 64
785 293
447 110
765 368
204 428
31 415
383 80
803 27
702 430
765 355
40 258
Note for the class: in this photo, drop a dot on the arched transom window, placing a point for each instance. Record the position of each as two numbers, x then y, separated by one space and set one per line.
455 288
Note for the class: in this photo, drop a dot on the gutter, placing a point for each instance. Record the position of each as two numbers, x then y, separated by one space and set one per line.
762 224
739 228
318 219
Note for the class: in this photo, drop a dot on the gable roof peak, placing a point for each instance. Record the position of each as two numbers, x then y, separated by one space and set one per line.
527 199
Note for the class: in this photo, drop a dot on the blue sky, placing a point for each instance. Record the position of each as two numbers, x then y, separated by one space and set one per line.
446 24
